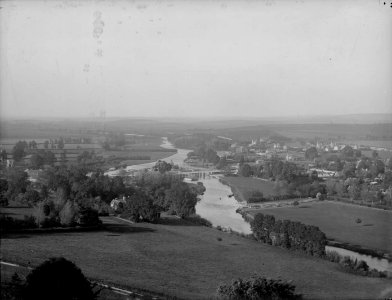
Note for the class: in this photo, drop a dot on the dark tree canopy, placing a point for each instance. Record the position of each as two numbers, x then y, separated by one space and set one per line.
18 152
17 183
57 278
162 166
348 151
311 153
245 170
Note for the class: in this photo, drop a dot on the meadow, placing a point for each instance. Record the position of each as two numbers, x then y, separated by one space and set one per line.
138 150
338 221
243 187
181 259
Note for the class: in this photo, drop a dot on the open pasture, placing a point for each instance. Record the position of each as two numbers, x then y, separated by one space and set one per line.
181 259
244 186
338 222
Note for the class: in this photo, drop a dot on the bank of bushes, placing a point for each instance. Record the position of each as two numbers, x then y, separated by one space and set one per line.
258 287
288 234
8 223
64 213
53 214
354 266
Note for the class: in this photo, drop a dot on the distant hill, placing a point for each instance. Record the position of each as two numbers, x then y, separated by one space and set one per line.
364 126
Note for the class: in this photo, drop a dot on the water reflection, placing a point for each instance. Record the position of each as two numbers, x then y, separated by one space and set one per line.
218 208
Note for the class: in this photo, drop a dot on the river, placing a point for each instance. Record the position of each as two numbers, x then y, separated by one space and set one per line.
217 207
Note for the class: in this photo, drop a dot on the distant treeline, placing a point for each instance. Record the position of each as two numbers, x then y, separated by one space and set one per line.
200 139
289 234
151 150
139 157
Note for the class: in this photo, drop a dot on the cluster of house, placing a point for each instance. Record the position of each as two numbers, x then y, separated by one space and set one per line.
260 150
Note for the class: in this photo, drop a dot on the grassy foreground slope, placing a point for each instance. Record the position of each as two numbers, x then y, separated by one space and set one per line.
338 221
184 260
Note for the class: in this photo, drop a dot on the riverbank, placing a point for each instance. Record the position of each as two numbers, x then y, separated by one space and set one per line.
244 187
235 192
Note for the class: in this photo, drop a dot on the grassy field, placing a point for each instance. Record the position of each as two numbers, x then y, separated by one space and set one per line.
244 186
181 259
338 221
144 146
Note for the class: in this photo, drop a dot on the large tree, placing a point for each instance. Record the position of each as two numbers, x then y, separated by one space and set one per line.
162 166
17 183
140 207
181 199
57 278
245 170
18 152
311 153
348 151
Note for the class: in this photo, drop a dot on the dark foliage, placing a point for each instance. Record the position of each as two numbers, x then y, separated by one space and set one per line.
57 278
88 217
288 234
9 223
258 287
354 266
140 207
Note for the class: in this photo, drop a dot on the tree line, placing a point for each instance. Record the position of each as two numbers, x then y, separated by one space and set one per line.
289 234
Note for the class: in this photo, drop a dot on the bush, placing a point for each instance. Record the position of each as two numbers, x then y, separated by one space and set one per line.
31 197
9 223
88 217
333 256
199 220
358 220
354 266
68 215
57 278
45 214
12 290
258 287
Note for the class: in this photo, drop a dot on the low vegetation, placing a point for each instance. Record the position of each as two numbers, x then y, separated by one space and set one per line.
258 287
355 266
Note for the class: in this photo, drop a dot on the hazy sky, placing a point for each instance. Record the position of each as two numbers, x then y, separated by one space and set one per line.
194 58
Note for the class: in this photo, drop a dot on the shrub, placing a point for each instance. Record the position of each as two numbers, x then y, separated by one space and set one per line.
258 287
9 223
12 290
358 220
295 203
68 215
45 214
31 197
199 220
57 278
88 217
354 266
333 256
